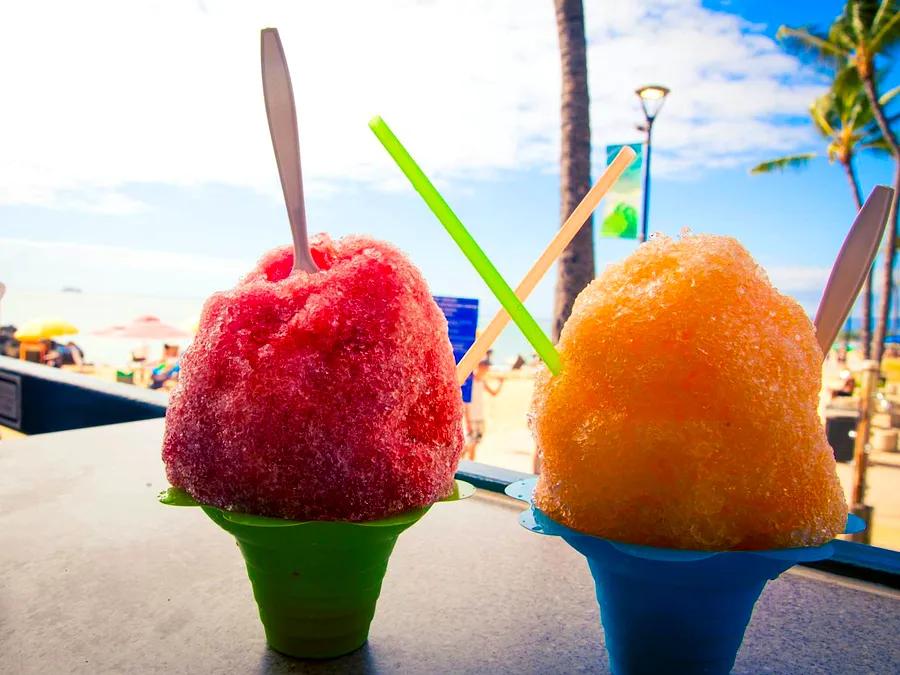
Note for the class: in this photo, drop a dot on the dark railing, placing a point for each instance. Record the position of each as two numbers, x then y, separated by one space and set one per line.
37 399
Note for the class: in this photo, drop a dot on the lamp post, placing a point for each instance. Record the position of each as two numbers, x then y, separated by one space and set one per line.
652 98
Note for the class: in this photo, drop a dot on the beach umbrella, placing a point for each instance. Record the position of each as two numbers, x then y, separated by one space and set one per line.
144 328
110 331
44 329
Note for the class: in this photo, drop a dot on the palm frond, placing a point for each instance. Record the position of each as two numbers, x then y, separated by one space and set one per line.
883 14
872 137
879 147
871 133
849 104
782 163
846 84
820 110
888 36
842 34
854 115
866 10
854 21
889 95
852 103
805 42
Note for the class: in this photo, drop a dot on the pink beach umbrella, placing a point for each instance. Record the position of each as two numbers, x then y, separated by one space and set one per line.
110 331
144 328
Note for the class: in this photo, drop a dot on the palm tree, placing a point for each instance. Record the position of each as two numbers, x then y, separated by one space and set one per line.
863 32
575 268
844 118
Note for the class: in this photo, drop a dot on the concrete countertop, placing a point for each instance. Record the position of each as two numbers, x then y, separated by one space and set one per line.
97 577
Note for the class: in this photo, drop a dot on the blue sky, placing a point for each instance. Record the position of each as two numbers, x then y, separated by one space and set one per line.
141 163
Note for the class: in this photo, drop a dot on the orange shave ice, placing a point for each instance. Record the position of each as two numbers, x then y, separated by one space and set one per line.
684 415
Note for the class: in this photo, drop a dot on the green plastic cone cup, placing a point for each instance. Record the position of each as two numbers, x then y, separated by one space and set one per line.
316 584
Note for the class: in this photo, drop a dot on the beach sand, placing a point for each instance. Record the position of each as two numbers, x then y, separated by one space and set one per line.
507 441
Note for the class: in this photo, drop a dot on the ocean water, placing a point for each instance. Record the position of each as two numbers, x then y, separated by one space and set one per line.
91 312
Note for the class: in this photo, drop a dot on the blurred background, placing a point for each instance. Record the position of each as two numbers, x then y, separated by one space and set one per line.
136 172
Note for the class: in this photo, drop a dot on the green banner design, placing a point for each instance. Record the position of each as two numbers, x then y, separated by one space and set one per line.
622 204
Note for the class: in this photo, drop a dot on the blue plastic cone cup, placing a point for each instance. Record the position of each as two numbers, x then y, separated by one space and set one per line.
674 616
672 611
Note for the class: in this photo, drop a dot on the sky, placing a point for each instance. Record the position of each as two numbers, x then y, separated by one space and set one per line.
135 156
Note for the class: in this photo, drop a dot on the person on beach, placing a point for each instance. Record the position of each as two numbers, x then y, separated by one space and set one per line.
139 354
474 411
846 387
9 346
167 369
74 355
68 354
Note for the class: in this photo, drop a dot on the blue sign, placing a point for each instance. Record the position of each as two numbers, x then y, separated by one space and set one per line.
462 320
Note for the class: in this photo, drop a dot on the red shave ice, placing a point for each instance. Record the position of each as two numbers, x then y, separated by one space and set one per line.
328 396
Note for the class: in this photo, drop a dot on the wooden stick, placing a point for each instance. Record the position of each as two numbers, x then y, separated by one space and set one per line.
566 233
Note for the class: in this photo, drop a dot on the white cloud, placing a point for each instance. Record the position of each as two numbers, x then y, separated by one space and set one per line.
91 266
108 93
107 202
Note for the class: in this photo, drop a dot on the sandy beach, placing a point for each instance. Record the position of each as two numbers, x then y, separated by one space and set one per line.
507 441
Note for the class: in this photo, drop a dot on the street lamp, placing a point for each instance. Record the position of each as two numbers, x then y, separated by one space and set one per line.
652 98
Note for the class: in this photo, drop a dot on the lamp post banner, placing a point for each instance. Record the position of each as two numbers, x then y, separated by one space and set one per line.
622 204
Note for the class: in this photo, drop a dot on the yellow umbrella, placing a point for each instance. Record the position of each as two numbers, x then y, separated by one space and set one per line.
44 329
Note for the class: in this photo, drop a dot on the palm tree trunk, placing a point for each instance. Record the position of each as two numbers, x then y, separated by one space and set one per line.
880 119
887 266
576 264
865 331
884 302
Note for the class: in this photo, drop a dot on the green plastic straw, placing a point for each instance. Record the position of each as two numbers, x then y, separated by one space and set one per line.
468 245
